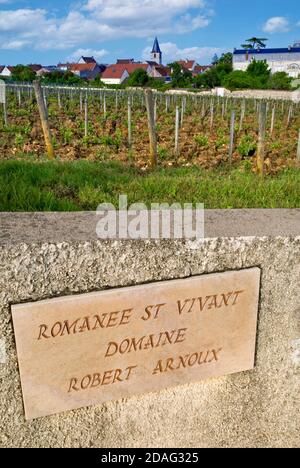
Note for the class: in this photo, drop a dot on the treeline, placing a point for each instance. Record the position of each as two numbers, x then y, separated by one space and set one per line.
24 74
257 76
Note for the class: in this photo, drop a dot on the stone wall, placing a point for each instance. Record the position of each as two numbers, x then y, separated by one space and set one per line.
267 94
41 257
247 94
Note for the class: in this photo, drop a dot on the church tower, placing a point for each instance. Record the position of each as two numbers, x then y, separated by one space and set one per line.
156 54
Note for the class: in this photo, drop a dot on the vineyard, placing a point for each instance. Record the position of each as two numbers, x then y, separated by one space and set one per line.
191 130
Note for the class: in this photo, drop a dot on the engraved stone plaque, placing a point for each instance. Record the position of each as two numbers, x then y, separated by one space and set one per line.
2 92
83 350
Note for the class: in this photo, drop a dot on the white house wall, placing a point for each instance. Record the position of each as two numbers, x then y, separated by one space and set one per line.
289 63
5 72
111 81
116 81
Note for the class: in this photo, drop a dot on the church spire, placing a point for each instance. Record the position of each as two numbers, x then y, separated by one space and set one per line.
156 53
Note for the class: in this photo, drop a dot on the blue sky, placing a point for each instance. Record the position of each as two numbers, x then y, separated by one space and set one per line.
35 31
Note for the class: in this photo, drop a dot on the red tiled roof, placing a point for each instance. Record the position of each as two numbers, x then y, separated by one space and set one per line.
131 67
35 67
65 65
10 68
201 69
124 61
82 67
163 71
114 71
117 70
188 64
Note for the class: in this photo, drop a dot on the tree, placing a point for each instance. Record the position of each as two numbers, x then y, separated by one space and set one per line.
215 59
215 75
138 78
156 83
181 77
176 71
208 79
23 73
98 82
239 79
225 59
255 43
280 80
259 69
59 77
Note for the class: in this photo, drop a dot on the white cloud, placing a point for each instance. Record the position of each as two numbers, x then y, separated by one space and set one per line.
172 52
97 54
100 20
21 21
134 9
14 45
277 24
190 23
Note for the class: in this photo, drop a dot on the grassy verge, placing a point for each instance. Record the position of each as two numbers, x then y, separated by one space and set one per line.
55 186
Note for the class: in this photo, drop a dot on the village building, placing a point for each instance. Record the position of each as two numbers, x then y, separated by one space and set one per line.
132 67
199 69
48 69
6 71
115 75
188 65
86 60
160 72
118 73
35 67
64 67
193 67
124 61
87 71
279 60
156 53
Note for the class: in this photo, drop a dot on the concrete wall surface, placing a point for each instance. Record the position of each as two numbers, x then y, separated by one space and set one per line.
49 255
266 94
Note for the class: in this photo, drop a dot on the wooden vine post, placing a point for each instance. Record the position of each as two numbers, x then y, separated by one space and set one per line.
290 114
298 150
86 116
261 138
182 112
104 106
177 125
44 118
273 119
212 111
80 102
243 113
129 124
19 97
151 126
232 128
3 100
